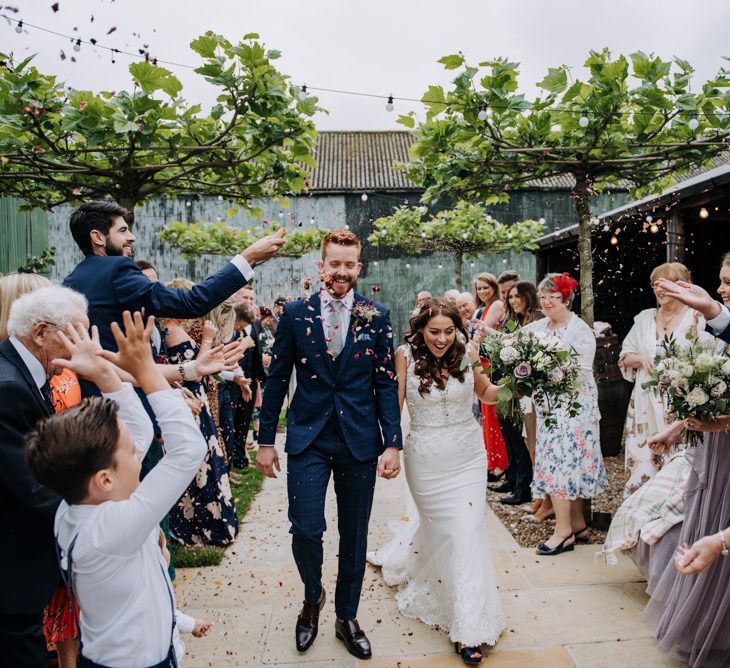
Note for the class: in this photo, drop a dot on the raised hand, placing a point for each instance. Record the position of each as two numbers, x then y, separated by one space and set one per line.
232 353
210 361
84 358
692 295
265 248
135 353
210 331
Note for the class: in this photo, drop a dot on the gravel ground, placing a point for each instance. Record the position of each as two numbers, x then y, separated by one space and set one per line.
528 532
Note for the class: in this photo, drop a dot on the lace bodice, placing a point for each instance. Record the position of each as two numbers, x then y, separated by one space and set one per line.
438 408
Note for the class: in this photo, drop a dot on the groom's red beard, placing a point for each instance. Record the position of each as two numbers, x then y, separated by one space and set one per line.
335 287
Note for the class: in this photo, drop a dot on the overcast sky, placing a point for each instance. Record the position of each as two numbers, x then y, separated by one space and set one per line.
380 46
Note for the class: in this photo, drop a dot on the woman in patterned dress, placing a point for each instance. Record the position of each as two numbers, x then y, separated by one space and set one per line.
568 462
205 513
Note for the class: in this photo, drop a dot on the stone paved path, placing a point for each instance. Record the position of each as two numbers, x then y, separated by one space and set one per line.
564 611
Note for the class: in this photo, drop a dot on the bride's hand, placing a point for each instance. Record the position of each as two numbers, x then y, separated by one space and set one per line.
389 463
472 353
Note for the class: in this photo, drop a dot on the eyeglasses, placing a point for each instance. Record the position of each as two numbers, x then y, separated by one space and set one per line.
550 298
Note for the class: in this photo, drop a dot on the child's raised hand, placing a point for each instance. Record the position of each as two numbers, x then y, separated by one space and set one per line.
201 628
135 353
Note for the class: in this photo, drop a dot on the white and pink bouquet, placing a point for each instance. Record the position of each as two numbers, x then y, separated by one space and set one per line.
693 380
532 364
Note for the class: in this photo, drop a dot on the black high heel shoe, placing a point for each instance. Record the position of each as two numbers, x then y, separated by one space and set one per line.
491 477
470 655
544 551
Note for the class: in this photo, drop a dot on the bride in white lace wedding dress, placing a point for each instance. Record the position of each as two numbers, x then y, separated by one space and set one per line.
441 558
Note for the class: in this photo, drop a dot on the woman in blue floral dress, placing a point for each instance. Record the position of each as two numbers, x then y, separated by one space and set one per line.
568 461
205 513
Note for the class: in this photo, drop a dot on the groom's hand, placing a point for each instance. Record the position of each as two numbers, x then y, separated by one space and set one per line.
267 459
389 463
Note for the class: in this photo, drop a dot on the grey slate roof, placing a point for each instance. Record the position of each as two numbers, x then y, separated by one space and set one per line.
357 161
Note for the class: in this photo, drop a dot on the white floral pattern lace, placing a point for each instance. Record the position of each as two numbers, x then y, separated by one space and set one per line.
440 557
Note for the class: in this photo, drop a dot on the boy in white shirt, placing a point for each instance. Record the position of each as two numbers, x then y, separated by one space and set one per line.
107 525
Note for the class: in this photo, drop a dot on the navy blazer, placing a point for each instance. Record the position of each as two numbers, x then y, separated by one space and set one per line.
115 284
28 554
360 385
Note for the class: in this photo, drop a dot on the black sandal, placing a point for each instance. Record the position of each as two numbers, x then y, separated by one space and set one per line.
544 551
470 655
582 536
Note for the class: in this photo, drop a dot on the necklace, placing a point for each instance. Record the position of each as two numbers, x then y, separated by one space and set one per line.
665 322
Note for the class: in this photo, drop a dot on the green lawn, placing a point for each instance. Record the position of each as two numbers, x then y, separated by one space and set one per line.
250 481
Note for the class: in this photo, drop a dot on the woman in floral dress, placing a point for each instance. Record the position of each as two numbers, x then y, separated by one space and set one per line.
205 513
568 461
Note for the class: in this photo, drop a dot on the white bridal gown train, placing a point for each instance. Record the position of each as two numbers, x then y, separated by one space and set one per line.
440 557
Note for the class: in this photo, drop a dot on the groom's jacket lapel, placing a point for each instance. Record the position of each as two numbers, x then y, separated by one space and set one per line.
317 329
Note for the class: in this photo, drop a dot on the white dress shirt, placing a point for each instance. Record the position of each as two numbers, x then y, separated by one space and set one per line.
243 266
348 300
119 574
720 323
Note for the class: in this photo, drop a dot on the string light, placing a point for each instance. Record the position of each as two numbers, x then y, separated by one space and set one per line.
482 115
364 197
302 95
693 122
704 213
389 105
583 121
19 27
614 241
77 46
654 228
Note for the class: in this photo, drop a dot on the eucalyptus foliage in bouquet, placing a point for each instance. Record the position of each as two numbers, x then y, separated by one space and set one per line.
532 364
693 380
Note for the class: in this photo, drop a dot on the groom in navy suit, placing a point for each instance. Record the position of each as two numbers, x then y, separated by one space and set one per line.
344 416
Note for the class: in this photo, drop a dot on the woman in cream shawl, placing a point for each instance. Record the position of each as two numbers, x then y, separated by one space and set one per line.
646 414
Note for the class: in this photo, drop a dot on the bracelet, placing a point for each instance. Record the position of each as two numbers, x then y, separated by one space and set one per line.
188 371
209 342
724 551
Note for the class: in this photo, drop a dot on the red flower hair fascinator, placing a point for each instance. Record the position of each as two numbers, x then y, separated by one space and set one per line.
565 284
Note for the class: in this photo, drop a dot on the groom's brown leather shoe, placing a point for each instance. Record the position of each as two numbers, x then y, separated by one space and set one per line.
357 643
308 624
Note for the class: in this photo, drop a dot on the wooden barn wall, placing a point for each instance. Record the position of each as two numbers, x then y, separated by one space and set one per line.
22 234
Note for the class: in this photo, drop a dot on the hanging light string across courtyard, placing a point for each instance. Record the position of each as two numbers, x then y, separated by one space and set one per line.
303 91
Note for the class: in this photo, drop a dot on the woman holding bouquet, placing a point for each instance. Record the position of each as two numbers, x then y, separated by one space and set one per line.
441 559
568 462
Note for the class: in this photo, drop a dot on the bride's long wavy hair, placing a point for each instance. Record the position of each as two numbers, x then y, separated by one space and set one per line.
428 367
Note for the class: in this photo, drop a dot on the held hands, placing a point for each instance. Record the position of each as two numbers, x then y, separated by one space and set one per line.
389 463
699 557
265 248
267 459
85 359
691 295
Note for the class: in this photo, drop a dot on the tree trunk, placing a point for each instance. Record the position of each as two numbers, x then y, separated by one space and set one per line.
129 205
458 265
583 209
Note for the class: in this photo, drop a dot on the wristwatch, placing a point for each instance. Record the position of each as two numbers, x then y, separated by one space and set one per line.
722 542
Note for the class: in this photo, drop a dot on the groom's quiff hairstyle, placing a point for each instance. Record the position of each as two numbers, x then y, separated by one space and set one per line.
341 238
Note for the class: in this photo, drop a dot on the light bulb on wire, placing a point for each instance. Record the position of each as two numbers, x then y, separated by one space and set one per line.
704 213
389 105
693 121
302 95
583 121
654 228
19 27
364 197
77 46
482 115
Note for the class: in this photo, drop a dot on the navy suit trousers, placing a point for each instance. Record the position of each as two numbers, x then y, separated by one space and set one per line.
308 475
